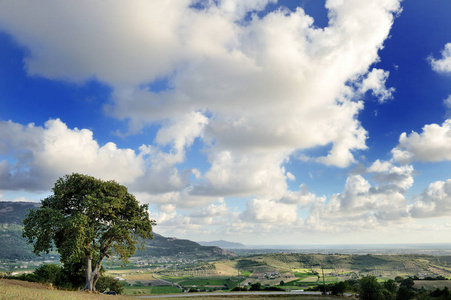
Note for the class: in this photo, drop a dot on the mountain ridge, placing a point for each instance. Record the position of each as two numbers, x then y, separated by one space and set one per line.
223 244
14 246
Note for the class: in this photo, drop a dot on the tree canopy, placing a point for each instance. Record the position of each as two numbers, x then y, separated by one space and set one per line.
88 219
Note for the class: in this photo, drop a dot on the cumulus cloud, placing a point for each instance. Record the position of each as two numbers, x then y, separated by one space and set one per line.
442 65
365 204
435 201
253 90
431 145
42 154
375 81
269 211
255 93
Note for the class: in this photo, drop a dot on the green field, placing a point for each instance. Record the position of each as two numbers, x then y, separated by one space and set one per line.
150 290
295 270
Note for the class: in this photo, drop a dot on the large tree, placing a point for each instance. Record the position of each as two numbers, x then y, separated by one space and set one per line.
88 219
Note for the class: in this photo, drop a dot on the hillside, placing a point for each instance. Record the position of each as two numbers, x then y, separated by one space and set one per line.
14 246
379 265
14 212
162 246
223 244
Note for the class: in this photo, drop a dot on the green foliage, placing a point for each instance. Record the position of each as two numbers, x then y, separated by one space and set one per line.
31 277
239 289
390 285
108 283
88 219
273 289
404 293
73 275
338 288
390 289
48 273
370 289
256 286
408 283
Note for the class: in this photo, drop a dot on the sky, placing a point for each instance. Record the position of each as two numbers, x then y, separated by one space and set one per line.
257 121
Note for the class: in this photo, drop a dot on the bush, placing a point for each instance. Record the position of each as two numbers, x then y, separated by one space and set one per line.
338 288
49 273
273 289
256 286
239 289
31 277
108 283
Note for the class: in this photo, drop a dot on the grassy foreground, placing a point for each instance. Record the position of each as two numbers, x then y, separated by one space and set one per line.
16 289
22 290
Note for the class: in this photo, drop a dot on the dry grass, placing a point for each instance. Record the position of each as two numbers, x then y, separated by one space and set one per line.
22 290
225 269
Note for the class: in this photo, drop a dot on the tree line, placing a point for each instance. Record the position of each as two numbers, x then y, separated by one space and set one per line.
369 288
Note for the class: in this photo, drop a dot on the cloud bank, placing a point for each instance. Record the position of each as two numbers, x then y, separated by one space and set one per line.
253 89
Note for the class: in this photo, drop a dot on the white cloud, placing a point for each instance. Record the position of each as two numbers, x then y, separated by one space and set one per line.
447 102
230 174
253 92
379 166
363 204
269 211
432 145
290 176
43 154
435 201
302 197
273 85
442 65
375 81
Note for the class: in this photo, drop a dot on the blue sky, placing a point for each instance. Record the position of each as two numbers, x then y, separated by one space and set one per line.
259 121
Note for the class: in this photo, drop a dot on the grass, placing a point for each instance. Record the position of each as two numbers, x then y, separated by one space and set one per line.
302 275
150 290
203 281
273 297
432 284
21 290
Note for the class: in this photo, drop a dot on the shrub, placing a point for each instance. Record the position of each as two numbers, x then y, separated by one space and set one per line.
49 273
108 283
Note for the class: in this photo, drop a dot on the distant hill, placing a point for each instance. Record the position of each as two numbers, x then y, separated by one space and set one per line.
223 244
162 246
14 246
14 212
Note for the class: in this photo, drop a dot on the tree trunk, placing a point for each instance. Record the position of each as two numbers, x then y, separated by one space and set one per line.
92 275
88 274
